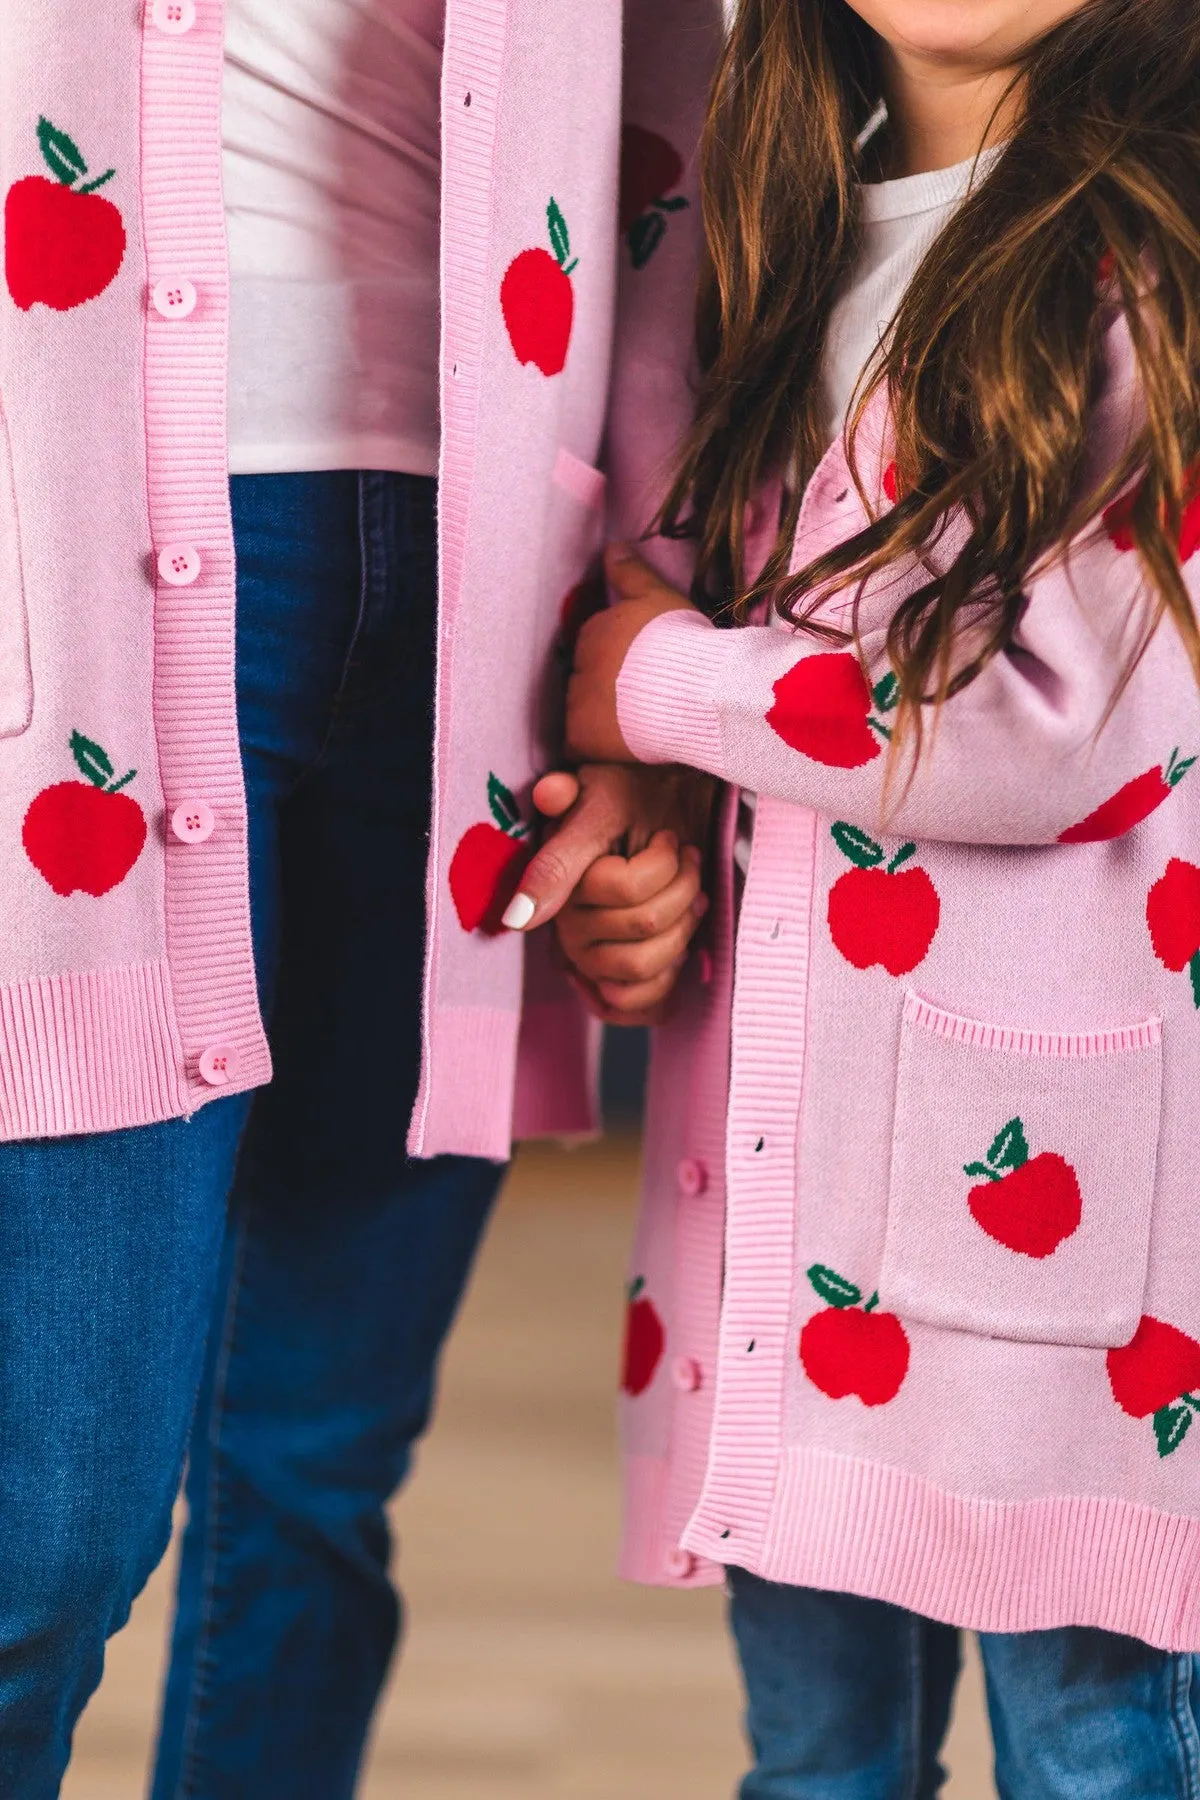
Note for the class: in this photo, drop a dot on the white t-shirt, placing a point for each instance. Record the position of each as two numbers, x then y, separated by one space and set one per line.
332 189
901 219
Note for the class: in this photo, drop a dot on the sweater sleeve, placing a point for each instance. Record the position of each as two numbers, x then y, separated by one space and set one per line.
1033 751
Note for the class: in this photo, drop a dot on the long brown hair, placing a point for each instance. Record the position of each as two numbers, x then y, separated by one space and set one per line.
995 357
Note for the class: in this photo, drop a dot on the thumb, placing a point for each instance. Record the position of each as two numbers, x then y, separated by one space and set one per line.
588 831
632 579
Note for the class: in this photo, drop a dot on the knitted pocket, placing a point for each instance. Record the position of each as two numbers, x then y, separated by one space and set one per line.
1022 1182
16 682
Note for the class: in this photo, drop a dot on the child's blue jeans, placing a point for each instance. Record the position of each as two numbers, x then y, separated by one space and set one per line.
850 1699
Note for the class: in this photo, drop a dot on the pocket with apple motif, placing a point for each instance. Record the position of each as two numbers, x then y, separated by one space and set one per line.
1022 1180
16 681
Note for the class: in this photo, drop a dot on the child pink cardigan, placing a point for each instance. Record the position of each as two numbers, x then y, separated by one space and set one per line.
127 990
927 1315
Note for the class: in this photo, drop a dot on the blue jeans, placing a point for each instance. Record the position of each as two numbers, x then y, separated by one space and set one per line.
330 1264
849 1699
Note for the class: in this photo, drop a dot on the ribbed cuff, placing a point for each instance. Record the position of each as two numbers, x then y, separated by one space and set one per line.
665 704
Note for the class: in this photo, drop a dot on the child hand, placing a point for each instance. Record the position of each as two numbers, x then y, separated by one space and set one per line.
626 929
593 733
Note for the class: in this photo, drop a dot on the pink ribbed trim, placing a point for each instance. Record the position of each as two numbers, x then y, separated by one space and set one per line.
469 1106
183 217
664 693
88 1052
1145 1036
985 1565
770 1028
472 62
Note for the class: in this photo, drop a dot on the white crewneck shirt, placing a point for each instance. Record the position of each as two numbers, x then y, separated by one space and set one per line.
332 175
900 221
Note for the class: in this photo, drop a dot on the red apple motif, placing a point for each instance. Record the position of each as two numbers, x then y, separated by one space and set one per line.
651 169
850 1348
538 301
1173 915
1130 804
823 709
645 1341
1153 1376
1030 1205
63 242
486 868
1118 518
85 835
879 915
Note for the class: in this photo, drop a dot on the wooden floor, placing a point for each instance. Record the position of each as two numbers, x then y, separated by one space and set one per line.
529 1672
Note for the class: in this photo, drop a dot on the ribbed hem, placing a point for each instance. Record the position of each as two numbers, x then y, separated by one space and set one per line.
664 693
470 1070
646 1536
558 1071
90 1052
985 1565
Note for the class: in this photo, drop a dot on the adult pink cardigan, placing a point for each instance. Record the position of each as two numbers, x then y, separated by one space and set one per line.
917 1291
127 989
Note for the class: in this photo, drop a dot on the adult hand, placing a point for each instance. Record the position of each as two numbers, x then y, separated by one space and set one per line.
601 809
593 733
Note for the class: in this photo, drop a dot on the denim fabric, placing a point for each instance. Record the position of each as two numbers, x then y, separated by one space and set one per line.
333 1263
849 1699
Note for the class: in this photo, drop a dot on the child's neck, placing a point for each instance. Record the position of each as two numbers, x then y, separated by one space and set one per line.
940 114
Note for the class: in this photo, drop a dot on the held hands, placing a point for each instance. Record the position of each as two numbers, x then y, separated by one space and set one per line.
593 733
625 921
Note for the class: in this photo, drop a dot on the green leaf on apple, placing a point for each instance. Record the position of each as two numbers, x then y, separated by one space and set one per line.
505 810
1194 972
62 154
676 203
93 762
902 856
1009 1149
834 1289
1177 768
885 693
1171 1426
856 845
560 237
644 237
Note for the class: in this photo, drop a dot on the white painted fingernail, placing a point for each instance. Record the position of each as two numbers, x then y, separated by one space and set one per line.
519 912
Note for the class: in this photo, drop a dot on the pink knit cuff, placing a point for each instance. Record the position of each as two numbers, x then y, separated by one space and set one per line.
665 692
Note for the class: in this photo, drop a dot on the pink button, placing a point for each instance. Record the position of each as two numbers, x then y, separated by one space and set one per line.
692 1177
193 822
218 1065
681 1563
174 16
174 297
179 564
686 1374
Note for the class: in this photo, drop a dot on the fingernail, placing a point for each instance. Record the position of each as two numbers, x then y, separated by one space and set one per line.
700 905
518 913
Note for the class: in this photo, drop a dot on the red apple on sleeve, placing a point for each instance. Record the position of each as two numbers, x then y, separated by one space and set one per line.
645 1340
825 710
1130 804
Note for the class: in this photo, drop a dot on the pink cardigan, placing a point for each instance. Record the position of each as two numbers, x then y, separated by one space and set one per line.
923 1323
127 989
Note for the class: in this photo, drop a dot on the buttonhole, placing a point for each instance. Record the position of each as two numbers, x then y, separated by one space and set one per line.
726 1533
454 371
761 1145
776 928
466 99
838 498
750 1345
